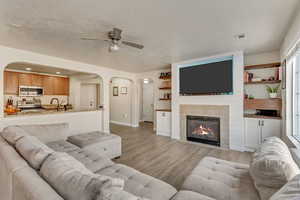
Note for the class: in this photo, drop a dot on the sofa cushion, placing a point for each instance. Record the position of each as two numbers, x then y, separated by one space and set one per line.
272 166
12 134
62 146
86 139
222 180
113 193
140 184
48 132
290 191
189 195
72 180
33 151
92 161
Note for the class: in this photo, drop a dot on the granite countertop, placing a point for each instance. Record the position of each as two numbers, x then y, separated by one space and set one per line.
49 112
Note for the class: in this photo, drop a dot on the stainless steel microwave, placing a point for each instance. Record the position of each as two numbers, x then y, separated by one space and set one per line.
30 91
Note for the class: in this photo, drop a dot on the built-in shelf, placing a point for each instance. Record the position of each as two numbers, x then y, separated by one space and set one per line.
263 82
263 104
263 66
162 99
260 116
165 78
163 110
165 88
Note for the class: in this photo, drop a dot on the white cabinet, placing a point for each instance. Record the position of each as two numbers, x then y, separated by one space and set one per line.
163 123
256 130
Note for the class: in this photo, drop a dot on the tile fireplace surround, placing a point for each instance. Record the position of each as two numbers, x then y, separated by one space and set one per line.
219 111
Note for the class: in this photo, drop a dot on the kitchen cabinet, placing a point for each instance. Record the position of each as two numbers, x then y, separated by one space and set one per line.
163 123
56 85
11 83
256 130
61 86
36 80
52 85
25 79
48 85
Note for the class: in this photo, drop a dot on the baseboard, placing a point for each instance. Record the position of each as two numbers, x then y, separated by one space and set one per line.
237 148
124 124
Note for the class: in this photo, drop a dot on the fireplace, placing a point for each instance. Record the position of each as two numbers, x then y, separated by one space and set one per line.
203 129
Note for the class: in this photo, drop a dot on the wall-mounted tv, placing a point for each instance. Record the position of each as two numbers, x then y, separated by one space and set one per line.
207 79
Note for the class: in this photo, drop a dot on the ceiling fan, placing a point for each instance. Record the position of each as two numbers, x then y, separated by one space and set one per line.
114 38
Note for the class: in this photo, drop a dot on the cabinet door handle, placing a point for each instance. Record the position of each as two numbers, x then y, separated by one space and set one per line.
258 122
262 122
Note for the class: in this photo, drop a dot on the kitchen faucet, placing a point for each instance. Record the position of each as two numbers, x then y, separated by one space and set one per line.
55 99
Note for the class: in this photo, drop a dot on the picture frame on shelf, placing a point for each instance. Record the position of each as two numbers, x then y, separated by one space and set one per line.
115 91
124 90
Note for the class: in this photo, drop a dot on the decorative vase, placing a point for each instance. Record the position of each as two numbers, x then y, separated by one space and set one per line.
273 95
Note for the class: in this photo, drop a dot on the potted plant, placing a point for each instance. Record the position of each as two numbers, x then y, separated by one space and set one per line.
273 91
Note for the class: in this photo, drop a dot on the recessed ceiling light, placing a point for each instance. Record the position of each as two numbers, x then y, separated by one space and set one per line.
57 72
28 68
146 81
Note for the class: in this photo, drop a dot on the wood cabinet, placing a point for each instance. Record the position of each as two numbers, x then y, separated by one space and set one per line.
36 80
48 85
56 85
163 123
53 85
25 79
11 83
256 130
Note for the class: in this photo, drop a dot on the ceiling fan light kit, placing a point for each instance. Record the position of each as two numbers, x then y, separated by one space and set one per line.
114 38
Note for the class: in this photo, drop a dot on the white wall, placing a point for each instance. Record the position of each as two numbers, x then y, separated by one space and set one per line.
234 101
121 105
292 36
11 55
262 58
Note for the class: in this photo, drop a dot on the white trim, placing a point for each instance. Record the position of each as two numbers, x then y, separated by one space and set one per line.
124 124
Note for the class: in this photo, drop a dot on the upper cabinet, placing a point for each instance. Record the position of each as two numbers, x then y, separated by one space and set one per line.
11 83
56 85
27 79
37 80
53 85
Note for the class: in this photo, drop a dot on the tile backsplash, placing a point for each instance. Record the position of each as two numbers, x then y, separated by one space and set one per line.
44 99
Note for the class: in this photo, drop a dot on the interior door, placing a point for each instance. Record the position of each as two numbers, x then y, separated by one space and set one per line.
252 133
88 96
148 106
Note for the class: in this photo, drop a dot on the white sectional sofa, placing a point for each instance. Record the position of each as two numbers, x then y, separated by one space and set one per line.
212 179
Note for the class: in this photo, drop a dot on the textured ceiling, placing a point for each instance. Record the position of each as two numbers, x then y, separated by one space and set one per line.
171 30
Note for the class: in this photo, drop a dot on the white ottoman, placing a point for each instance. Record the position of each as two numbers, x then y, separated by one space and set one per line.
108 145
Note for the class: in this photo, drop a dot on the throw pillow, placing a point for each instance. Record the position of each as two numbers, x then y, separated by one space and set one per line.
72 180
272 166
12 134
33 151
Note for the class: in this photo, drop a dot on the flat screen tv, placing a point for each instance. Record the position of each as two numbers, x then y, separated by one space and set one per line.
207 79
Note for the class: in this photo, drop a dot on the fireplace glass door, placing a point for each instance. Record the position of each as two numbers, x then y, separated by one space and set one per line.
203 129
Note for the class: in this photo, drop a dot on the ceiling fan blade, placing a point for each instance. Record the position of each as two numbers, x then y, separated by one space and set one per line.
139 46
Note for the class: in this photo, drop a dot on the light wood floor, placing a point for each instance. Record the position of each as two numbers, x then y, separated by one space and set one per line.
164 158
